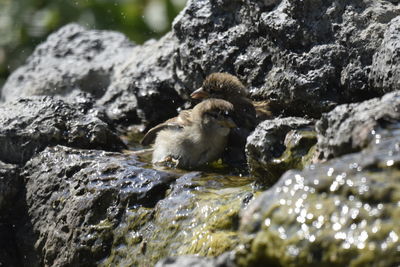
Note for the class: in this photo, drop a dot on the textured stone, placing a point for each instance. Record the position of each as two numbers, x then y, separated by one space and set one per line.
28 125
342 212
385 74
72 58
349 128
75 199
198 216
278 145
305 57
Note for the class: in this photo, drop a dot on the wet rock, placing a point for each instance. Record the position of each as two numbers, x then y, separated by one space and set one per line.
340 213
196 261
349 128
28 125
75 199
198 216
278 145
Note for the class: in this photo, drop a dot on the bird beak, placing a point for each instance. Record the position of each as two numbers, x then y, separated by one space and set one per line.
199 94
228 123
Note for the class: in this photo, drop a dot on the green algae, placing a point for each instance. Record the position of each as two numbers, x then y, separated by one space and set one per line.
299 149
200 215
343 213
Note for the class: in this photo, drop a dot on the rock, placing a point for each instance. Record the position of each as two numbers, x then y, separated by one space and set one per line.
127 80
349 128
384 74
195 261
198 216
72 58
278 145
146 84
10 185
76 198
304 60
8 250
340 213
28 125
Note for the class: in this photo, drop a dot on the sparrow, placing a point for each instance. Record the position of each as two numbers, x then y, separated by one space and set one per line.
228 87
193 138
247 113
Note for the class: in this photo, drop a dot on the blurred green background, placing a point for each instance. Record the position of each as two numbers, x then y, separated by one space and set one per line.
26 23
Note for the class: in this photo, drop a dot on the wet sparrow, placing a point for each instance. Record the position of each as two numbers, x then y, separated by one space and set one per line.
228 87
194 137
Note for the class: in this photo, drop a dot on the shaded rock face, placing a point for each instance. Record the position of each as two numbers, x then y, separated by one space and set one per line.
343 212
10 185
75 198
30 124
305 57
349 128
278 145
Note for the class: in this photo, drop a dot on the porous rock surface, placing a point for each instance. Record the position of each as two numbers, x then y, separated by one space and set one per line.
28 125
75 199
90 207
349 128
343 212
305 57
266 147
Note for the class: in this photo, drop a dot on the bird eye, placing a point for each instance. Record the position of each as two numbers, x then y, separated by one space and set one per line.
212 114
224 114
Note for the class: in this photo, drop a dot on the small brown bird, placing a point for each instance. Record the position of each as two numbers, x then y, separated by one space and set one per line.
246 114
195 137
228 87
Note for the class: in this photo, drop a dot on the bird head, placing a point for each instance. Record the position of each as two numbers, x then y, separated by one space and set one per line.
220 85
214 115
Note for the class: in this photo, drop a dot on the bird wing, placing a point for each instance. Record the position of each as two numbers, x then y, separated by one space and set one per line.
176 123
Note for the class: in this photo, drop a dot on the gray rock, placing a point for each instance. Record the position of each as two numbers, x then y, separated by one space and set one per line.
340 213
349 128
225 260
268 147
72 58
145 84
28 125
75 199
385 74
186 261
129 81
305 60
